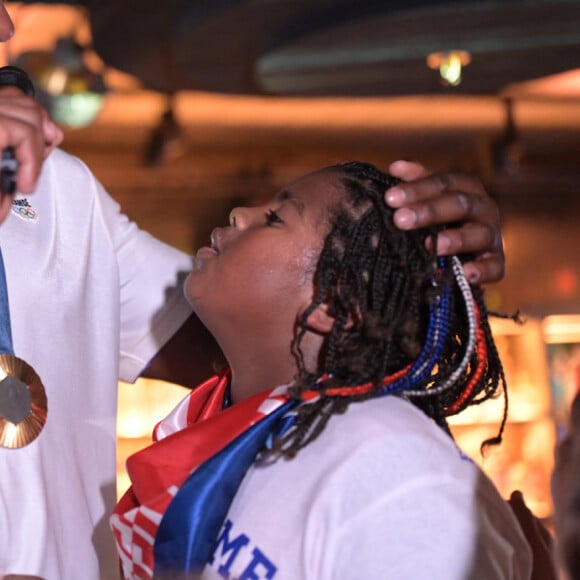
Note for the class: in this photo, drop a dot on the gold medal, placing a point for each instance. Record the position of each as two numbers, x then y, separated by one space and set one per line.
23 404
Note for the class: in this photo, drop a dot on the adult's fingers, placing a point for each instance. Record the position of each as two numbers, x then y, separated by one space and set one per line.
407 170
458 200
26 128
448 207
469 238
431 186
477 233
485 270
481 241
28 150
53 134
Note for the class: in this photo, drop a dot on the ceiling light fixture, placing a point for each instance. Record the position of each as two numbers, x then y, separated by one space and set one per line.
71 92
450 65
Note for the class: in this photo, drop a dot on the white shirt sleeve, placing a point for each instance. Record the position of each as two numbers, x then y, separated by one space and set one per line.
151 276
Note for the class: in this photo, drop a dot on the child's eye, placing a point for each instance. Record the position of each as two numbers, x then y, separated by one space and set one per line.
273 218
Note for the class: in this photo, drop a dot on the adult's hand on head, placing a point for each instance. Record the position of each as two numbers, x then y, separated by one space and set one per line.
28 129
460 199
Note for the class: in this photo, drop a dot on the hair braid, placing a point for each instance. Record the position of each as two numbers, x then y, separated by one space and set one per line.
406 322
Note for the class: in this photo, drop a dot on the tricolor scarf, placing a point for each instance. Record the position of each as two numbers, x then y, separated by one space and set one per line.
182 485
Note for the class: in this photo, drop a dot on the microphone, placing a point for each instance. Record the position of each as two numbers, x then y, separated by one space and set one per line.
14 77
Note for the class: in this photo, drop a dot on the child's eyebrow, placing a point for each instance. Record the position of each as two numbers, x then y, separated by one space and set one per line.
286 195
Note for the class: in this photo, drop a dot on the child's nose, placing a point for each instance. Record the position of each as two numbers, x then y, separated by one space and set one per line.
240 217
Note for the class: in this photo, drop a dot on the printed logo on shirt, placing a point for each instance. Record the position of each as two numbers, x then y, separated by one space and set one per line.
23 209
238 552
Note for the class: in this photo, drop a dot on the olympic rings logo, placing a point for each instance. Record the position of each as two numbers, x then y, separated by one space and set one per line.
24 212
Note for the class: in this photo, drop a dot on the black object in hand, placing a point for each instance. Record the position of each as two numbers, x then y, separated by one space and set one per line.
14 77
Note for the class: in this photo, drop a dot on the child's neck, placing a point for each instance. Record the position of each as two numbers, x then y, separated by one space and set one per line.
269 367
251 381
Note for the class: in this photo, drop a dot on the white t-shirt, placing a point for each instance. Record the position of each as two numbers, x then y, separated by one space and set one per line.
383 493
92 299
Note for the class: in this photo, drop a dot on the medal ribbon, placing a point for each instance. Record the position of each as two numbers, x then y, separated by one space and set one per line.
5 328
23 404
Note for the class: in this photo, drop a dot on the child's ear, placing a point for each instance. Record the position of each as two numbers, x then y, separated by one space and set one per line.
321 322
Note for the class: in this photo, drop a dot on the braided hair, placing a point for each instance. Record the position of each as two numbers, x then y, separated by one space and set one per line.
405 322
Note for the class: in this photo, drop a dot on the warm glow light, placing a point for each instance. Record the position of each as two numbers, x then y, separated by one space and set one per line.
450 65
144 404
522 352
140 407
566 282
55 80
561 328
524 460
562 85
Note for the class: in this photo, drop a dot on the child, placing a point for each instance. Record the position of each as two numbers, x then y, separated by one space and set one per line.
318 291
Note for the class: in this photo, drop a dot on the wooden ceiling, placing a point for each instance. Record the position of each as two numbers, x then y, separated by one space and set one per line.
278 79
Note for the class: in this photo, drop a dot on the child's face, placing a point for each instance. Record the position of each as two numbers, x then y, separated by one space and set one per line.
256 278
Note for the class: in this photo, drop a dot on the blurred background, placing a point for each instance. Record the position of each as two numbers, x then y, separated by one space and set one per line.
185 108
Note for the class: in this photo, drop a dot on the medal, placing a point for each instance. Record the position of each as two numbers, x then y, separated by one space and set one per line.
22 402
23 405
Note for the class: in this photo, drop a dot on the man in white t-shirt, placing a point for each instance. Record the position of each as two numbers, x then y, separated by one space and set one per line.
85 310
94 299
